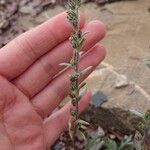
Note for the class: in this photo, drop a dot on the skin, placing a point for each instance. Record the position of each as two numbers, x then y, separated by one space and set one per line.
32 83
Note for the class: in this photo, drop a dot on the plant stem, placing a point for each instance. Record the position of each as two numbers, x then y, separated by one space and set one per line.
76 82
76 42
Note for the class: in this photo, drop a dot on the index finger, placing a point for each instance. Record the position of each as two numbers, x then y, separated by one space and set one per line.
19 54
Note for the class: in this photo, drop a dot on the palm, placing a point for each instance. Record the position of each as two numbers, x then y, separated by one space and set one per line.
30 89
22 126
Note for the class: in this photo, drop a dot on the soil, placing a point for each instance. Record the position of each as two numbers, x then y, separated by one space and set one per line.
10 11
9 14
114 124
112 119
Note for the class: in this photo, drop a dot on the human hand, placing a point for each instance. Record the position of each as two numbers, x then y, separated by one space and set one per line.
32 83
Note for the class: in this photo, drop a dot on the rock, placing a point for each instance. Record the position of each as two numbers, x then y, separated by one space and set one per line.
27 9
121 81
4 24
2 2
112 136
100 132
98 99
129 97
23 2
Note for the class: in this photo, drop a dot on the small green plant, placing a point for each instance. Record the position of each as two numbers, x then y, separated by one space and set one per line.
126 144
77 41
94 140
142 135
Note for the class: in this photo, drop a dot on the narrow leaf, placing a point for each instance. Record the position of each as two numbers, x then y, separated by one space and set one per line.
85 33
82 85
66 64
82 122
82 135
139 114
85 71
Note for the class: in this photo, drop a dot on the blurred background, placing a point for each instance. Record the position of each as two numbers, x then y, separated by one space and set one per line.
124 77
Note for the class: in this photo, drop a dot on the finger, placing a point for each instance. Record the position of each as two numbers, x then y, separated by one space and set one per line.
42 72
19 54
47 100
58 122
